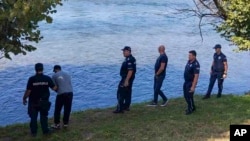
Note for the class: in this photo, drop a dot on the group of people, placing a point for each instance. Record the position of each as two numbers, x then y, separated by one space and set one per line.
218 71
37 91
38 87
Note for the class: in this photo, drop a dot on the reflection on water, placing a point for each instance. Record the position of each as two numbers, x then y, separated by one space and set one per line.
86 38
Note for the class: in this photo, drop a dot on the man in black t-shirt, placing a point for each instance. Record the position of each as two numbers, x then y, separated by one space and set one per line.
38 93
160 73
127 73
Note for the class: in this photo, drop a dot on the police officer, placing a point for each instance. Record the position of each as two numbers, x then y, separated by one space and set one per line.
127 73
191 75
160 73
218 71
38 93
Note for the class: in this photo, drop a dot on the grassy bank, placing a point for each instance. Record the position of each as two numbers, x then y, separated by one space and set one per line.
209 122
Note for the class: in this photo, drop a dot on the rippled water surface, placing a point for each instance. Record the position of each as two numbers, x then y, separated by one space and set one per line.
86 37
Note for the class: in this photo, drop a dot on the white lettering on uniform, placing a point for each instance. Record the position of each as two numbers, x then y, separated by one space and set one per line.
40 83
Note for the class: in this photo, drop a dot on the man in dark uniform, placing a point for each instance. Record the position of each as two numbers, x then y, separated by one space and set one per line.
218 71
38 93
191 75
160 73
127 73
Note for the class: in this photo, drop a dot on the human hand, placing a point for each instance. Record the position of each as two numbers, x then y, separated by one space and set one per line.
156 76
126 83
191 89
24 101
224 76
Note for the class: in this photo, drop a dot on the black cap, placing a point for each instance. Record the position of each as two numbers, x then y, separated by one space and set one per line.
126 48
39 67
56 67
217 46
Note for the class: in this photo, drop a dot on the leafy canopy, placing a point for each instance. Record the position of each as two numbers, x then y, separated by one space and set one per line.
19 24
234 15
236 26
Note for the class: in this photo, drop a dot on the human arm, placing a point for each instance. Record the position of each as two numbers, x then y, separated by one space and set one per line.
163 60
28 91
225 67
129 75
211 71
196 77
131 68
25 96
54 88
225 70
52 83
161 69
194 83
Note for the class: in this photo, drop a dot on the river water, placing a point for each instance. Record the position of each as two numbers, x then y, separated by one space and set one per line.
86 37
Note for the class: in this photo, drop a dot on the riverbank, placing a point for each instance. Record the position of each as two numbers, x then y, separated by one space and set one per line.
210 122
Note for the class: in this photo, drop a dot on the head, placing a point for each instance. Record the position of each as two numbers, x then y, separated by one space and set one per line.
57 68
126 51
192 55
39 68
161 49
217 48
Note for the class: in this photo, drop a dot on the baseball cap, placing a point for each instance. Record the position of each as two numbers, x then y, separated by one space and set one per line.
217 46
38 66
126 48
56 67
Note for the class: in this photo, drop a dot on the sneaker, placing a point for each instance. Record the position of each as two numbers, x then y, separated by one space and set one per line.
218 95
206 97
55 126
153 104
118 112
65 125
164 103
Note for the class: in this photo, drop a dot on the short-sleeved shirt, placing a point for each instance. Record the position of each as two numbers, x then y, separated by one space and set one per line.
219 60
63 82
161 59
39 85
191 69
128 64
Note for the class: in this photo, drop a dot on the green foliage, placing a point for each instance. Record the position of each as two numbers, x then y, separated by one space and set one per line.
236 26
19 24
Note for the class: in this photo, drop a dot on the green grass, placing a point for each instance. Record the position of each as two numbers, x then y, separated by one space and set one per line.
209 122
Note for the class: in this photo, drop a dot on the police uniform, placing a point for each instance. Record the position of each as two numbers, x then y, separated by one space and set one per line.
191 69
124 93
39 101
217 73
